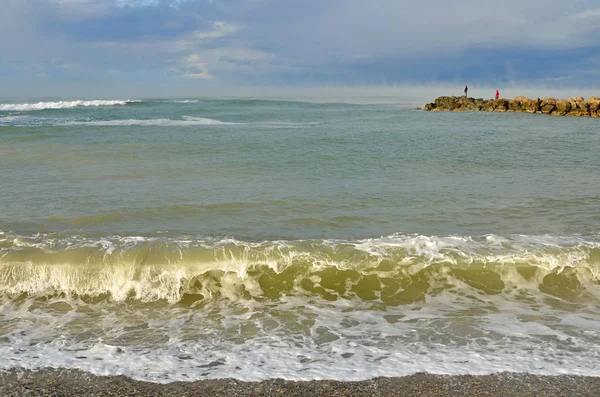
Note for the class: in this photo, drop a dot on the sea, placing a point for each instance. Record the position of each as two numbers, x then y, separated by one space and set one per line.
184 239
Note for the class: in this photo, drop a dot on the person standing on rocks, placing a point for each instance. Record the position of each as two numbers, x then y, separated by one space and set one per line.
497 94
466 89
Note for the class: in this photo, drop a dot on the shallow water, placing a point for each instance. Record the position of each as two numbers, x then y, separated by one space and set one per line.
205 238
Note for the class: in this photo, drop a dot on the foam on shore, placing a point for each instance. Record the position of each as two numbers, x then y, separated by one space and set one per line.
67 382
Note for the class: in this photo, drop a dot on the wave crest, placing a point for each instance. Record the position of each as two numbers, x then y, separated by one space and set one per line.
186 121
25 107
393 270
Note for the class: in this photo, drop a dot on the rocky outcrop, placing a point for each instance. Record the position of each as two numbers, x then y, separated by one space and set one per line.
576 106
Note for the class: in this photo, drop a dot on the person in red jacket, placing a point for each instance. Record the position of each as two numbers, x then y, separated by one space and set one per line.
497 94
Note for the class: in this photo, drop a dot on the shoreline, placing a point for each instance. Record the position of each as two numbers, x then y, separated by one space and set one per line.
72 382
576 106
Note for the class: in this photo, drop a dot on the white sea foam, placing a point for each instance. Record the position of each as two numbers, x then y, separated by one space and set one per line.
25 107
288 125
341 340
13 119
455 329
186 121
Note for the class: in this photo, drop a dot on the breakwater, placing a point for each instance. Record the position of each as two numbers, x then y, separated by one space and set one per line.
577 106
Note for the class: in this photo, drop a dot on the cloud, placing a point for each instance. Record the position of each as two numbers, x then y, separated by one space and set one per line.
235 61
137 3
220 29
308 42
203 38
62 64
192 67
592 13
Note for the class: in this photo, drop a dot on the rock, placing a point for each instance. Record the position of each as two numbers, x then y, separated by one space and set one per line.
500 105
563 107
548 105
446 103
594 106
594 99
518 103
573 103
531 105
548 108
576 106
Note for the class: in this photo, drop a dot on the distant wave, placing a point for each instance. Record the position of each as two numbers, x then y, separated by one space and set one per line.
26 107
186 121
12 119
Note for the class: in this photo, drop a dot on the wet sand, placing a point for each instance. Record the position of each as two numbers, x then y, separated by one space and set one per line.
57 382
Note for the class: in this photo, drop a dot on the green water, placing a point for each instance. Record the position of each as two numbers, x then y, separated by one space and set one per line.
257 239
335 171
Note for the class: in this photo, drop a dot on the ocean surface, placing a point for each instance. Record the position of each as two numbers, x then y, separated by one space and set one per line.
185 239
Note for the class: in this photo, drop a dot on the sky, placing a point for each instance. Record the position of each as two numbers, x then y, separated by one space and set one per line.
181 47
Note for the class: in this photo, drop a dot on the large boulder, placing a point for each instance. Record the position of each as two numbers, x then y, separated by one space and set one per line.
594 106
531 105
517 104
446 103
579 106
500 105
584 109
563 107
548 105
475 104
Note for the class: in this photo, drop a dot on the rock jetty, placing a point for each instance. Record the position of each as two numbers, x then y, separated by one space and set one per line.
576 106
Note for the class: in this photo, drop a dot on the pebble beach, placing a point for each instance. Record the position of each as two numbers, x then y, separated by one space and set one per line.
58 382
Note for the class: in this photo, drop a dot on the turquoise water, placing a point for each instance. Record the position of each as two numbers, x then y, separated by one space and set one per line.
374 236
296 170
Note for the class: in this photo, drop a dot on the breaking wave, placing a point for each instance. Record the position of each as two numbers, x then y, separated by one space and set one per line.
25 107
394 270
186 121
13 119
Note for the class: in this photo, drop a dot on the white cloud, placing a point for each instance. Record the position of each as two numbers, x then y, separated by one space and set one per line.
136 3
593 13
199 38
220 29
78 3
192 67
